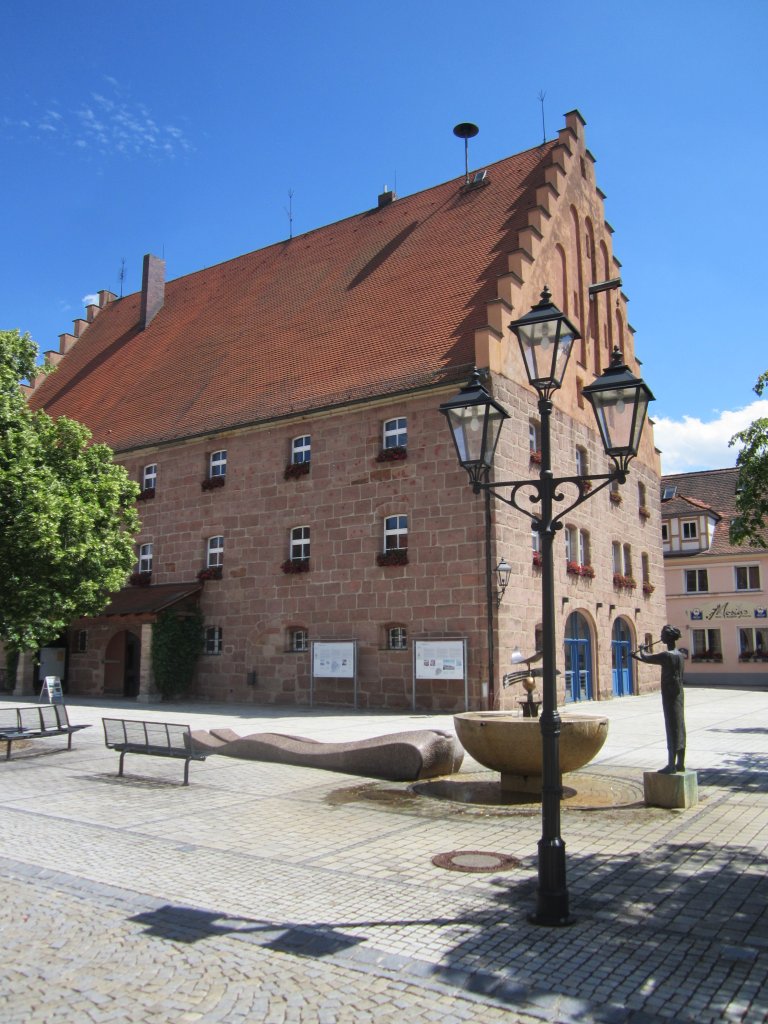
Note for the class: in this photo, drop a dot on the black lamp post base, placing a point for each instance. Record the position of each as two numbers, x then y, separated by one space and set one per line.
552 895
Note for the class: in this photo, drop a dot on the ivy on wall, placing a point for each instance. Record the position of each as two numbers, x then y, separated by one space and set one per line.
177 642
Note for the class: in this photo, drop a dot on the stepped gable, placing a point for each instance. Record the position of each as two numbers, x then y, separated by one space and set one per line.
377 304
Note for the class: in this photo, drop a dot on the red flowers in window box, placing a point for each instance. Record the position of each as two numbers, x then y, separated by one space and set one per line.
296 469
395 454
397 557
648 588
644 512
534 456
537 559
294 565
140 579
624 582
576 569
616 498
212 572
146 494
212 482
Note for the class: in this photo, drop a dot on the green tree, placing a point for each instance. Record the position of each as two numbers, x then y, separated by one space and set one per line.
67 513
177 642
749 525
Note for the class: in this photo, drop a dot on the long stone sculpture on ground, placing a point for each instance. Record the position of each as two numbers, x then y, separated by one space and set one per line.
399 757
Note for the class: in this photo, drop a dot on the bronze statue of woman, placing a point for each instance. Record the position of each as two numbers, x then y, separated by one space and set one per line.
672 670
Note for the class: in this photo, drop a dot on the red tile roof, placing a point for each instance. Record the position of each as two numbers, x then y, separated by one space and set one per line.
376 304
713 489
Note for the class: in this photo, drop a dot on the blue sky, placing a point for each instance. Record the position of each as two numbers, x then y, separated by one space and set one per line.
179 128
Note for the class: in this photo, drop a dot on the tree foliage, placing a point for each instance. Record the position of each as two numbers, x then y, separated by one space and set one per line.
67 513
750 524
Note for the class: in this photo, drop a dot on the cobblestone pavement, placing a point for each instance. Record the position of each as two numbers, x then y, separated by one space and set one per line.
273 893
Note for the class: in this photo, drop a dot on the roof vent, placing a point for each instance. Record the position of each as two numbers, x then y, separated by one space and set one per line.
670 491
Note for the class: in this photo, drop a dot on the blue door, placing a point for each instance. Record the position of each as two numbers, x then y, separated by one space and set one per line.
621 646
578 659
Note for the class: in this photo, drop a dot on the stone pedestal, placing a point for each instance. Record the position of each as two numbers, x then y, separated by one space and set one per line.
678 790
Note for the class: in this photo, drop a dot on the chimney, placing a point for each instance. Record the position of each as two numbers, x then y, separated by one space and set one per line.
152 289
386 197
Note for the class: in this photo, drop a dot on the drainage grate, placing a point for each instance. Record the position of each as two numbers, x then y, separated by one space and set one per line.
475 860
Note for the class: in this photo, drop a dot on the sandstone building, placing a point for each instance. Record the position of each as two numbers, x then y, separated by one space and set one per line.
280 412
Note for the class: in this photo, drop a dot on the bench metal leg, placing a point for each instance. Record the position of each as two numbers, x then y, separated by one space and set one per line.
186 771
8 751
122 755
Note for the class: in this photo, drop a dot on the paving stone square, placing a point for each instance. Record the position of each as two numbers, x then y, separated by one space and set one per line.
267 892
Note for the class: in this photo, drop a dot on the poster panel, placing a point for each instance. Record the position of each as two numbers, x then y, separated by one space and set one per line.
439 659
333 660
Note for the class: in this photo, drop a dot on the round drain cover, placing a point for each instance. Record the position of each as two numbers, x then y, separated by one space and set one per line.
475 860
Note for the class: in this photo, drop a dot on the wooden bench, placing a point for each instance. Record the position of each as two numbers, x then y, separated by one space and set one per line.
35 722
160 739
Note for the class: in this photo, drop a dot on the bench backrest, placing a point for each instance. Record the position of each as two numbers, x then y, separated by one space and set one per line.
9 718
35 717
157 735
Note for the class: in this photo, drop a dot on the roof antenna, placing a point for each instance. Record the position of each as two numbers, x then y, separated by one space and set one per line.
466 130
542 96
121 274
289 211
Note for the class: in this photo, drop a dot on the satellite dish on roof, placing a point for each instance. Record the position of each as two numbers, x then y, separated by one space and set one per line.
466 130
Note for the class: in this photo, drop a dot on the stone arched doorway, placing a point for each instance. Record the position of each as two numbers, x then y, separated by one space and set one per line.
122 661
578 658
621 660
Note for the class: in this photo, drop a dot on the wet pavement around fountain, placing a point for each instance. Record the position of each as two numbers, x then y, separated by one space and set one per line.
267 892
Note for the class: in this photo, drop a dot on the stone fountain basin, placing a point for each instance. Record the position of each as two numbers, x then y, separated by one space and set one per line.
507 743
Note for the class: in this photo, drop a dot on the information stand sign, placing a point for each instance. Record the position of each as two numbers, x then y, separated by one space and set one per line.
333 659
51 692
440 659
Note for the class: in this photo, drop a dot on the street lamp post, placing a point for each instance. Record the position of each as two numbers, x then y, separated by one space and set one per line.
620 402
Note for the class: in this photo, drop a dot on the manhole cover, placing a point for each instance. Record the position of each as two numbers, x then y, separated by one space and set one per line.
475 860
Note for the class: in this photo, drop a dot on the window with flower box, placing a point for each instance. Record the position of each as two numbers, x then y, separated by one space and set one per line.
214 640
395 541
395 433
299 546
696 581
534 442
753 643
145 558
577 552
148 481
747 577
301 450
706 645
215 552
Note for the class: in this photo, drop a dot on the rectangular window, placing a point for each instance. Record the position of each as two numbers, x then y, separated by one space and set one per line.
690 529
753 642
618 563
534 436
145 558
217 464
215 552
214 640
571 543
747 577
298 640
646 567
641 496
397 637
627 560
149 478
81 641
299 548
535 540
664 532
581 461
301 449
395 533
396 433
696 581
584 553
706 643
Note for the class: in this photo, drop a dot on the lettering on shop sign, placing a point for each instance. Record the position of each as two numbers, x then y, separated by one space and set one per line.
724 610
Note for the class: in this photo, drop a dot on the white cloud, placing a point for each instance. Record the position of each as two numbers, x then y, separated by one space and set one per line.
90 300
692 444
